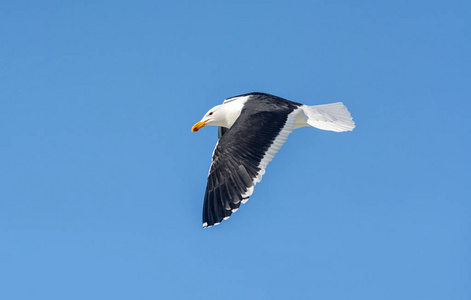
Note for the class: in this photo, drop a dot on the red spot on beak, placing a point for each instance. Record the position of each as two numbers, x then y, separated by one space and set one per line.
198 125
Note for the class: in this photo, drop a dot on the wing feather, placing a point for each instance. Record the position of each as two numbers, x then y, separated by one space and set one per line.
240 158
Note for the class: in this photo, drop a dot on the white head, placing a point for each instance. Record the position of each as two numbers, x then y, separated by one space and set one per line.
216 116
222 115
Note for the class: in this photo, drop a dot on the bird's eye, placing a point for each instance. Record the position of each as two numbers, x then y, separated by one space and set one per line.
211 113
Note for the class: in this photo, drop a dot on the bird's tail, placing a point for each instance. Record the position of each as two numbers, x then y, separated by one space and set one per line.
333 117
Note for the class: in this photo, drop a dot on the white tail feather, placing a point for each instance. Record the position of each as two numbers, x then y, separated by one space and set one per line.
333 117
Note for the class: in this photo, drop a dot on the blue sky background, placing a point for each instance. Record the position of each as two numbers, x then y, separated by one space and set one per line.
102 182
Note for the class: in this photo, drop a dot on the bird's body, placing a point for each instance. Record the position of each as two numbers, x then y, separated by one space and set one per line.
252 128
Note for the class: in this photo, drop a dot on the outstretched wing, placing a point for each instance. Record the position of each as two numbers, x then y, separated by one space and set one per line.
240 159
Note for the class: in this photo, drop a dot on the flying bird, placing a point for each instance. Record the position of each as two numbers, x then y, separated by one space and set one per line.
252 128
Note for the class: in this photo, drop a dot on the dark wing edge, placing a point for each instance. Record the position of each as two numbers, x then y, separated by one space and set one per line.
222 131
225 197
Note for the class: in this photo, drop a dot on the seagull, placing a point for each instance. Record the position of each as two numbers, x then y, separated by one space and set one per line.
252 128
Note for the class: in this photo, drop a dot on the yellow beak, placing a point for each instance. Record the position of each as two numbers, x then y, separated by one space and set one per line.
198 126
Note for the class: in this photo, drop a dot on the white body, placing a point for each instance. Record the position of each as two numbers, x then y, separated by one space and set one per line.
332 117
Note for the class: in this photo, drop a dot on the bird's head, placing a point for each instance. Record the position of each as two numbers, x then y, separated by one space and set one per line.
215 116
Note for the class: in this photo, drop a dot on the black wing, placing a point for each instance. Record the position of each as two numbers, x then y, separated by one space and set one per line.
221 131
237 160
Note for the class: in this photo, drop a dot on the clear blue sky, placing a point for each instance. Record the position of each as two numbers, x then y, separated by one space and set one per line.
102 182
